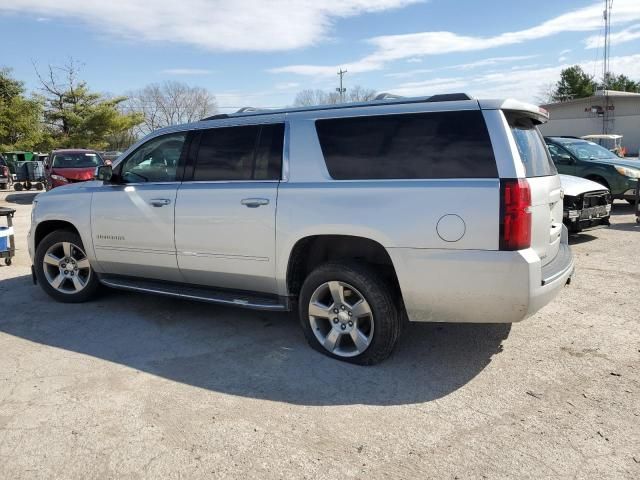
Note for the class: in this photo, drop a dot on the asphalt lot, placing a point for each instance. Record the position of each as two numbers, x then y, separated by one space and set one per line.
133 386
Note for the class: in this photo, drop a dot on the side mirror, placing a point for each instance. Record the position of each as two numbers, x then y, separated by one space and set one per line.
564 159
104 173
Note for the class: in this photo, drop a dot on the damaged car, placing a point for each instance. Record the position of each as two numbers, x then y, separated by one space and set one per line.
586 204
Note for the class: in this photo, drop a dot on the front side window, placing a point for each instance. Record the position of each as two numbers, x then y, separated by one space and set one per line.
250 152
532 149
155 161
76 160
408 146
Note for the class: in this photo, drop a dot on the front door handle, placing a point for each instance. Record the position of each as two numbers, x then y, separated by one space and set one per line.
159 202
254 202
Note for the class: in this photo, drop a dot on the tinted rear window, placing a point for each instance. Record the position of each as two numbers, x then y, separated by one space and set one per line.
531 146
412 146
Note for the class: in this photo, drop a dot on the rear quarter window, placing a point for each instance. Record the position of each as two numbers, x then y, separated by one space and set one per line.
531 146
408 146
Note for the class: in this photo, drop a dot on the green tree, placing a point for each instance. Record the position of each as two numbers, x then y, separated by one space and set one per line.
77 117
20 117
620 82
574 83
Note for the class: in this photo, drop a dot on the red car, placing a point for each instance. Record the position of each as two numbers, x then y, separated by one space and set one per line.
69 166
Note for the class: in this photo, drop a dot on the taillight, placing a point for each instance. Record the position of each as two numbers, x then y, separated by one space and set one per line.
515 214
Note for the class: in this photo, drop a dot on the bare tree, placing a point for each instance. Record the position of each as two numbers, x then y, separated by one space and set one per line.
170 103
310 97
361 94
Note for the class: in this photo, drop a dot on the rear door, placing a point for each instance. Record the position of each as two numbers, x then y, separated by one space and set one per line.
546 191
226 211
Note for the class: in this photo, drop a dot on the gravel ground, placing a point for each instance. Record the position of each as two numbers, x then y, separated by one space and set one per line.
132 386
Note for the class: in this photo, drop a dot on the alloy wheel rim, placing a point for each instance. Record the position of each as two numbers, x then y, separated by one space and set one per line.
341 319
66 268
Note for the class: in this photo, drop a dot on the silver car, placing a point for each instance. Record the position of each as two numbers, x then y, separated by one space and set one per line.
360 216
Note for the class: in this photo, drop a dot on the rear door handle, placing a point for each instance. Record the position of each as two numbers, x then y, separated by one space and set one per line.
159 202
254 202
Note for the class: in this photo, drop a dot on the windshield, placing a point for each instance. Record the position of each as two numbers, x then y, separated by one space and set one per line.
76 160
589 150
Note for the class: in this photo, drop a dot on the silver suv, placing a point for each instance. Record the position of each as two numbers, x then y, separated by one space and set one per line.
360 216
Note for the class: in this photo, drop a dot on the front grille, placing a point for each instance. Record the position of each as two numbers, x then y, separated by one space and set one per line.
596 199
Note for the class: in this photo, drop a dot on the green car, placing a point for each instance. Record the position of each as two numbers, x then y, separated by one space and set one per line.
582 158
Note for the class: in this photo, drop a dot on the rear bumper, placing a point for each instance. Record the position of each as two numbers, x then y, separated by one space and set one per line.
475 286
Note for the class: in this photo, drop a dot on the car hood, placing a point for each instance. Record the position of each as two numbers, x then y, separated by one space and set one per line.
574 186
623 162
86 173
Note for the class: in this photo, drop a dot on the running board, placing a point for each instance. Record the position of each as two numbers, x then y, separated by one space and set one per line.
254 301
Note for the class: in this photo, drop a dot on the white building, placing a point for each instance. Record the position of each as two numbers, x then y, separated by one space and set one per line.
585 116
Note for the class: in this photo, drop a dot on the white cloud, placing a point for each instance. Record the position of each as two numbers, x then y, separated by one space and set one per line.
487 62
186 71
224 25
389 48
626 35
522 84
287 85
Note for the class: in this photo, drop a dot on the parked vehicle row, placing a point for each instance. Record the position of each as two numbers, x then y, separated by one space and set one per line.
433 209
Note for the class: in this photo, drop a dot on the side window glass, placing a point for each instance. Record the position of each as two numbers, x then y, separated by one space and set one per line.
250 152
226 154
155 161
268 165
555 153
408 146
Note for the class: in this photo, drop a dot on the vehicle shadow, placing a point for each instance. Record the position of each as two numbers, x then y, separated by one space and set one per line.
21 198
578 238
246 353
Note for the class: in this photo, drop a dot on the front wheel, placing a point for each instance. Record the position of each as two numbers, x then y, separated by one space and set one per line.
347 312
63 269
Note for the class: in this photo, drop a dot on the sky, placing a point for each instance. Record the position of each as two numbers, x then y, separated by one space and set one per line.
262 52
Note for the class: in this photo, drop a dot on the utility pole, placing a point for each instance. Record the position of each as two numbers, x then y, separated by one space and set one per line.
605 64
341 90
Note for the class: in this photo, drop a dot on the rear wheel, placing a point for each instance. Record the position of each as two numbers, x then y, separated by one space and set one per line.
63 269
17 187
348 312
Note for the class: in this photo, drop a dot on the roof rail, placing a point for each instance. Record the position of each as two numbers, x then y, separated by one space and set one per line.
216 117
249 110
448 97
387 96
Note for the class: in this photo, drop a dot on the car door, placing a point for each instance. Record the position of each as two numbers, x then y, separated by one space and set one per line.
132 218
226 208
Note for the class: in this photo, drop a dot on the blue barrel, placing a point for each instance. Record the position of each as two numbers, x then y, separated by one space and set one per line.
4 239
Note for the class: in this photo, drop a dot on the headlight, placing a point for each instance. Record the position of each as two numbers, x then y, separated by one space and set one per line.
628 172
59 178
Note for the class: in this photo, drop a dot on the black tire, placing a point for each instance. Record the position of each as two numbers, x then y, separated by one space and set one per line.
4 186
90 289
39 186
7 261
17 187
384 308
